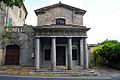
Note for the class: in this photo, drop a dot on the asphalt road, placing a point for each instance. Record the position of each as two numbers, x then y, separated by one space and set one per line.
13 77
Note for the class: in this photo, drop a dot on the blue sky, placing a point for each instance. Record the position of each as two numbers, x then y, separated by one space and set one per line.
103 16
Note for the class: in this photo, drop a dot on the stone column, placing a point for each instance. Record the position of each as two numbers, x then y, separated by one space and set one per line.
85 54
37 52
53 54
69 53
81 53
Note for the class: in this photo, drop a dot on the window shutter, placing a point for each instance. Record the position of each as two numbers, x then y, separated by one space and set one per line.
9 22
2 20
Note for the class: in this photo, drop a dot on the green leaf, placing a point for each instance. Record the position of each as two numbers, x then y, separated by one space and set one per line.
12 3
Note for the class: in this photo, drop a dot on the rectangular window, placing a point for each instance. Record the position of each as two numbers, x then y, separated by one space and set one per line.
74 54
2 21
60 21
47 54
9 22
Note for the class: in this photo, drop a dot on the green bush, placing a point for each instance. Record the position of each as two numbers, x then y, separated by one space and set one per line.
107 53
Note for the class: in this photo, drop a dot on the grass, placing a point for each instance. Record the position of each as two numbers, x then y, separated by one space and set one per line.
12 70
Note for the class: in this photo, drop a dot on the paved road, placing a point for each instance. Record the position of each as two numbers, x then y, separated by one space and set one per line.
12 77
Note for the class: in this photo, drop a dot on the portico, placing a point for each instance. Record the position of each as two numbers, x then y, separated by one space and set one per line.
68 45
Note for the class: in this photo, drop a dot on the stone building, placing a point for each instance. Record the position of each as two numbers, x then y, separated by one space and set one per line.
13 38
59 39
17 16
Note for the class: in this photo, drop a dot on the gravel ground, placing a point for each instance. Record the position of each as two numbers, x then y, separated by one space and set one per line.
60 72
108 72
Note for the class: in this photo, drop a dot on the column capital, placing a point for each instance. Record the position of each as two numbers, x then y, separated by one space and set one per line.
69 37
37 37
84 37
53 37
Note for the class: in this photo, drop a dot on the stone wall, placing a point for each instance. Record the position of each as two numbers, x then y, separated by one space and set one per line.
1 56
90 50
24 40
50 16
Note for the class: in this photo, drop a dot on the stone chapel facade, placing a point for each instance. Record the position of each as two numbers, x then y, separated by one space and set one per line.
59 39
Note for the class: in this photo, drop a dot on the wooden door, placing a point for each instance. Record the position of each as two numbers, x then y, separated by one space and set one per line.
12 55
60 55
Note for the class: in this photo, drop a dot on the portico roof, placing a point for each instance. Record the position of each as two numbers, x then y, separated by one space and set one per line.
64 31
61 27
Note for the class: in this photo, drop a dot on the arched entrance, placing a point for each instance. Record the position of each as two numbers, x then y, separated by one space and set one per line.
12 55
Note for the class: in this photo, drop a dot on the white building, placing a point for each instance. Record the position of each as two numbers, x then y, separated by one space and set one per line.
15 16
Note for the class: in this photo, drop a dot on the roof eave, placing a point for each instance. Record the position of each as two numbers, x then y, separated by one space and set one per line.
59 4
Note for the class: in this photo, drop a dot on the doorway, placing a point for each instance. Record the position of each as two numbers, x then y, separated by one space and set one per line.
61 55
12 55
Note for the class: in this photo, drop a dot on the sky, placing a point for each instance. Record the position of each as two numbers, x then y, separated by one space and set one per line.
102 16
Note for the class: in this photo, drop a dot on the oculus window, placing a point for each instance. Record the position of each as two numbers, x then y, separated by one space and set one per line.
60 21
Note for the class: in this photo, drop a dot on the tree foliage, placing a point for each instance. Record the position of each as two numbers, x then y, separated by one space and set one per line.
11 3
107 53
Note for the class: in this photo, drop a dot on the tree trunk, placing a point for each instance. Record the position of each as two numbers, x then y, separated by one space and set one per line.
6 16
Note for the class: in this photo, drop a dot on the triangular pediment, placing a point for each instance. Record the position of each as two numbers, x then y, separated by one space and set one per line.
43 9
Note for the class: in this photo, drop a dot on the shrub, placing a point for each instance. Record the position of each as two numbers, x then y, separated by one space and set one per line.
107 53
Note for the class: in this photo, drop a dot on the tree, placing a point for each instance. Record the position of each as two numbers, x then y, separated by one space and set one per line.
11 3
107 53
8 3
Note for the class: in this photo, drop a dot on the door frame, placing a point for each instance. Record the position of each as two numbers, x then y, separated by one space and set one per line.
64 45
5 53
